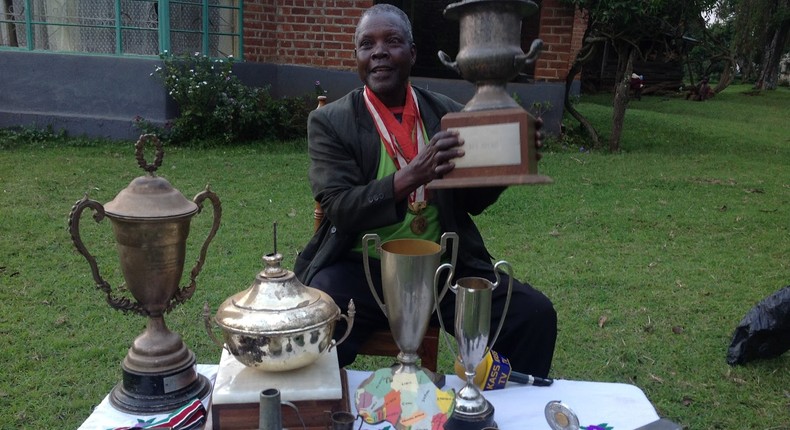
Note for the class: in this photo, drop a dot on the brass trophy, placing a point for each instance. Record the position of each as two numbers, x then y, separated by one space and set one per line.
150 220
499 134
472 329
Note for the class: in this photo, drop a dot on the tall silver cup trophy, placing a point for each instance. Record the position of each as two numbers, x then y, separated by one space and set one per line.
472 334
151 220
499 134
407 268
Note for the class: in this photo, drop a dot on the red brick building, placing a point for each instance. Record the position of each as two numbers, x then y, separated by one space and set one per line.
286 45
319 33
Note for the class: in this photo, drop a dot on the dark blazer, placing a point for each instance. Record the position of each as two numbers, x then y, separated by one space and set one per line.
344 149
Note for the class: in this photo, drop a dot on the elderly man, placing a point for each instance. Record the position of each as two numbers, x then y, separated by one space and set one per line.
372 153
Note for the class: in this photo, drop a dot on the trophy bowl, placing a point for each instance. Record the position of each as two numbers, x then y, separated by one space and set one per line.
278 324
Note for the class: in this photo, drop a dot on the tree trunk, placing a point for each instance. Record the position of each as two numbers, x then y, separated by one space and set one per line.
771 56
626 60
726 77
585 53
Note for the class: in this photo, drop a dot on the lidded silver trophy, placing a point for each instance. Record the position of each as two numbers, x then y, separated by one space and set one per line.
151 220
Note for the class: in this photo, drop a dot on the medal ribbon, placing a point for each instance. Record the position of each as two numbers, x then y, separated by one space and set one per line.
402 140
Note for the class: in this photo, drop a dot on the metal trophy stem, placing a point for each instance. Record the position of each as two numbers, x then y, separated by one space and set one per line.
150 220
472 328
407 266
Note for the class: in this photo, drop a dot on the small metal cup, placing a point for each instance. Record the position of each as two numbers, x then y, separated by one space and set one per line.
269 415
342 420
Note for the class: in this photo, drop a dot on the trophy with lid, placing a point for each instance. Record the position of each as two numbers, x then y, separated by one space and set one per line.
499 138
150 220
278 335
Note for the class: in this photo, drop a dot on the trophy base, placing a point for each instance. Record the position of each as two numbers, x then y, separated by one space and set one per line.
462 421
152 393
489 181
499 147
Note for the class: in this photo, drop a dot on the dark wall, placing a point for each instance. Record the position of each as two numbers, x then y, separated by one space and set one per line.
100 96
85 95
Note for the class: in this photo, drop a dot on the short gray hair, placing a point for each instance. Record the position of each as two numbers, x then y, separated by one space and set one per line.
384 8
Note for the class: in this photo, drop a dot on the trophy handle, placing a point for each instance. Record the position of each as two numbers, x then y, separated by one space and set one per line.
453 255
507 300
120 303
185 293
209 329
352 309
436 296
365 240
523 60
452 65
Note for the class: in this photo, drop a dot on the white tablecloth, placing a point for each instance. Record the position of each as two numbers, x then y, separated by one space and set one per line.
517 407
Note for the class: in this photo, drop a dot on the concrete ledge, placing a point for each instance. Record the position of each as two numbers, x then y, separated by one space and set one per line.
99 96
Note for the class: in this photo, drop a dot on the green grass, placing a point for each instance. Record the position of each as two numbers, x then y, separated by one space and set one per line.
671 241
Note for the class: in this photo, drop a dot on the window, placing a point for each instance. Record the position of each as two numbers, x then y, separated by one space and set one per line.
123 27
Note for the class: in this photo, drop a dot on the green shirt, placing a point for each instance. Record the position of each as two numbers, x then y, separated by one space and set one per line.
401 230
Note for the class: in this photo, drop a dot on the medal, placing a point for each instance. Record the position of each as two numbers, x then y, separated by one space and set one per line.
419 224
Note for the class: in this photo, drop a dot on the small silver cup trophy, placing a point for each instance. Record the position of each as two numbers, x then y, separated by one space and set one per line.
472 329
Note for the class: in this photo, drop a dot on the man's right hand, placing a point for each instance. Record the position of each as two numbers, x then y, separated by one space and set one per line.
434 161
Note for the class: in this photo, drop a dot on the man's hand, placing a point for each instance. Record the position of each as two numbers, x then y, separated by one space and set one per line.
434 161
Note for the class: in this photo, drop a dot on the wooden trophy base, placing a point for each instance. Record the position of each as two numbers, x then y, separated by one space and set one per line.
316 390
499 148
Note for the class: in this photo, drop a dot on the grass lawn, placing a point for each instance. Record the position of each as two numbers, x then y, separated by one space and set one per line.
652 256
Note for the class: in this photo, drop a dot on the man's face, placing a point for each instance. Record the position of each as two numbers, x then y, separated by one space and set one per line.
384 57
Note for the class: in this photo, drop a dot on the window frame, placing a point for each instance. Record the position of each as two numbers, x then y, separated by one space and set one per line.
164 28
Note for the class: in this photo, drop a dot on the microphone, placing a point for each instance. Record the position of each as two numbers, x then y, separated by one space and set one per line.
494 372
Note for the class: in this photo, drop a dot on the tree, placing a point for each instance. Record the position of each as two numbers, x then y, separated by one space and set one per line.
763 26
624 25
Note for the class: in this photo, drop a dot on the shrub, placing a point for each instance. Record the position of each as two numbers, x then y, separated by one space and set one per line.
214 105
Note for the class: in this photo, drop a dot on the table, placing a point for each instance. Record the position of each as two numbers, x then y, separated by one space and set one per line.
621 406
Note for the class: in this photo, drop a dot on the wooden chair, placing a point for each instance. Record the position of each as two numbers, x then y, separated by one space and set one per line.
381 342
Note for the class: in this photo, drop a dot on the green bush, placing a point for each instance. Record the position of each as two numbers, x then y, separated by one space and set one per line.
215 106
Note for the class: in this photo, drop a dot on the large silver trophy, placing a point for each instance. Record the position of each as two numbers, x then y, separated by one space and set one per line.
406 395
407 268
472 334
499 134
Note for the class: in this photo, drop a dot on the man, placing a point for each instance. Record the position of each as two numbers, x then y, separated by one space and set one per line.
370 161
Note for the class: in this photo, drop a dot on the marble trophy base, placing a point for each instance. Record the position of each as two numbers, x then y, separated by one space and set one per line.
151 393
462 421
316 390
499 148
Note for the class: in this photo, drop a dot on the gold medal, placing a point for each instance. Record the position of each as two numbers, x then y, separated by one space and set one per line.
418 225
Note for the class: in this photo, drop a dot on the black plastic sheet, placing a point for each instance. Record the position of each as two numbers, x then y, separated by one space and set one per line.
764 332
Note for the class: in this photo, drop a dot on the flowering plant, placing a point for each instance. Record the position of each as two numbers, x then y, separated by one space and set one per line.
213 103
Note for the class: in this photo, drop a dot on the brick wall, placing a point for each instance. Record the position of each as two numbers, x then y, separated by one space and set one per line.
319 33
315 33
562 29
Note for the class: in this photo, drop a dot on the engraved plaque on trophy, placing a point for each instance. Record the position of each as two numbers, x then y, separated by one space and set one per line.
498 134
